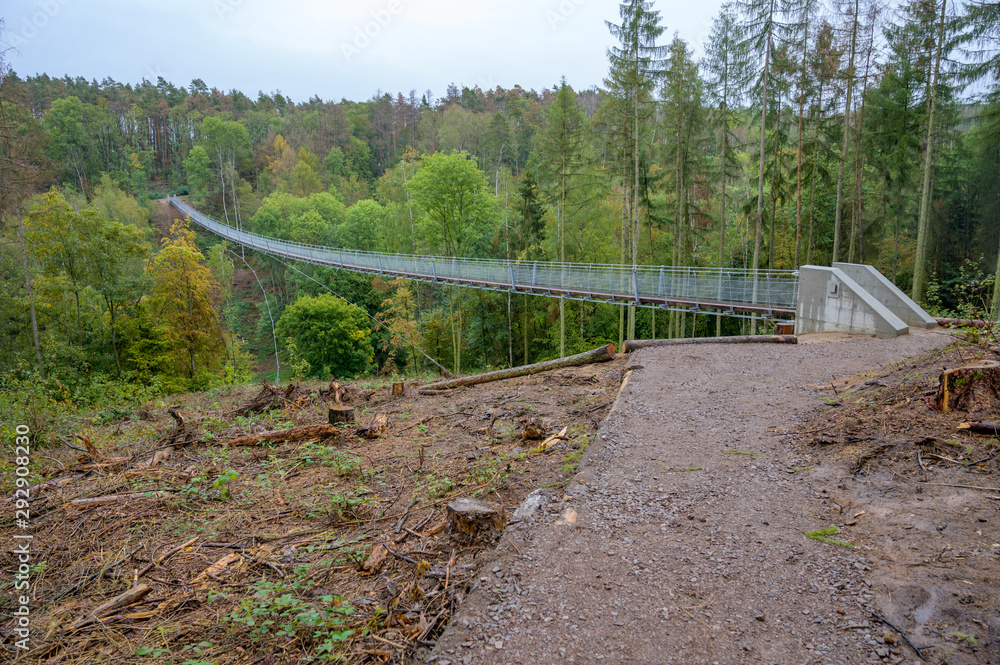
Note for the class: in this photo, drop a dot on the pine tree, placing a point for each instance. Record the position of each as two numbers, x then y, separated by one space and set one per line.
636 66
762 31
724 65
561 145
927 169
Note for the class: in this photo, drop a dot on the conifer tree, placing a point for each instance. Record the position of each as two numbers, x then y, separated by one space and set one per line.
636 66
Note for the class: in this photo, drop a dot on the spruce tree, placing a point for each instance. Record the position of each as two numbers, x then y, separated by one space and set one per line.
636 67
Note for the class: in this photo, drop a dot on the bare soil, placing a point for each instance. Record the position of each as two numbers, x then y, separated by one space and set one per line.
328 549
686 536
683 537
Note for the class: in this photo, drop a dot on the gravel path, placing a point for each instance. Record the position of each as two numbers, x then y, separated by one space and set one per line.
683 540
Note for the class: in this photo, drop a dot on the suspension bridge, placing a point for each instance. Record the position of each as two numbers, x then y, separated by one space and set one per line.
770 294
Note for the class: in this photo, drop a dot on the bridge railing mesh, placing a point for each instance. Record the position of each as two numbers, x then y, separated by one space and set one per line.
690 286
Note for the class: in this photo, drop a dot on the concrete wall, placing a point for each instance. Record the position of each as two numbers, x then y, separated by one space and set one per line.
830 301
887 293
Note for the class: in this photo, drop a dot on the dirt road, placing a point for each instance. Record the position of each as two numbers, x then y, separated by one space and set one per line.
683 539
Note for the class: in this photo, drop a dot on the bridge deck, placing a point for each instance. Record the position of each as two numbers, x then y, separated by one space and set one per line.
728 291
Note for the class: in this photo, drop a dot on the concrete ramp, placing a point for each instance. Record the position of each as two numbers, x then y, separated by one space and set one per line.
887 293
830 300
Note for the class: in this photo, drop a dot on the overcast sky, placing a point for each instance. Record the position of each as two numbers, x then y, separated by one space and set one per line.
334 49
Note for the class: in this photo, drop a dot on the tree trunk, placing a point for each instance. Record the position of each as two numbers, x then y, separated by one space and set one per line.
31 300
798 168
321 431
600 354
923 222
838 212
760 179
636 344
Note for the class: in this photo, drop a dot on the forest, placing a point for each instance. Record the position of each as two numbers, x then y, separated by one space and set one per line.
808 133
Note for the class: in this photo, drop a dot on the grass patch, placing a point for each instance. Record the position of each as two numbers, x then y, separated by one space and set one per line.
748 453
571 462
824 536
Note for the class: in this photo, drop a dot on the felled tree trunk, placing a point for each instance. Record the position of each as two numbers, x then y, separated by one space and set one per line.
291 434
598 355
473 520
973 388
636 344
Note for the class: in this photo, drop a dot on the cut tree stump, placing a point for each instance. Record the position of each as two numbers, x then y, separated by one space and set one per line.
399 389
973 388
474 520
340 414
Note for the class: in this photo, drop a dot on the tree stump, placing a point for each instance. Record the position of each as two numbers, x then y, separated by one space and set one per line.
973 388
398 390
473 520
533 429
340 414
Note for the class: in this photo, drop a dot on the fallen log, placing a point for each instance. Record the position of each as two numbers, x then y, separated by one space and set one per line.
636 344
321 431
980 427
598 355
965 323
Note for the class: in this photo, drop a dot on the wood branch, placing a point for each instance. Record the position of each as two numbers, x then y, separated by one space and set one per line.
600 354
217 569
636 344
178 418
981 427
375 428
321 431
80 504
91 448
166 555
119 602
554 439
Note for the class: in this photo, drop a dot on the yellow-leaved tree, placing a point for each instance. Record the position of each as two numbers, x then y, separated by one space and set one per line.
184 300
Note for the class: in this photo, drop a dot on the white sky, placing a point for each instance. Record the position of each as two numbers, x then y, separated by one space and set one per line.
334 49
